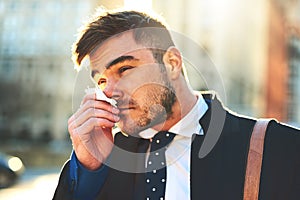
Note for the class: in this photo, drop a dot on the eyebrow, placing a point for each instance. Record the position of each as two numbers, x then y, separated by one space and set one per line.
120 60
114 62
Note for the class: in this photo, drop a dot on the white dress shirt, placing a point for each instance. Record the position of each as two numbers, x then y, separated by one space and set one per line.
178 153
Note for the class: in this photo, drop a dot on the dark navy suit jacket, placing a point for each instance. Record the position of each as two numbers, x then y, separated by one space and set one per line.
218 172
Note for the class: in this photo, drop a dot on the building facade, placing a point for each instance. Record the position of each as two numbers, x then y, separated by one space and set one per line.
36 71
248 52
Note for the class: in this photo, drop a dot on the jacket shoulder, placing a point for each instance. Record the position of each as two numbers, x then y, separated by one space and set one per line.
62 190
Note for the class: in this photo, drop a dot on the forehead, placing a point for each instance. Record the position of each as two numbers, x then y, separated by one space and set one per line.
120 45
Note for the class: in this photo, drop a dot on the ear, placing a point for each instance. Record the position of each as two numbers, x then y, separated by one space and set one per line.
173 61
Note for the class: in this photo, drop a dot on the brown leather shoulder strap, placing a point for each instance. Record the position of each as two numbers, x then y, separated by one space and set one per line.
254 161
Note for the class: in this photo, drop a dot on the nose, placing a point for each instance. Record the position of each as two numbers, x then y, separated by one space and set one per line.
110 88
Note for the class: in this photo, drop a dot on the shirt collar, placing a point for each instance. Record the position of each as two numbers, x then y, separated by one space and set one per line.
188 125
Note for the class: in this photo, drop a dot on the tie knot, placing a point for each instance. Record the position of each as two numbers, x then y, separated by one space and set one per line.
161 139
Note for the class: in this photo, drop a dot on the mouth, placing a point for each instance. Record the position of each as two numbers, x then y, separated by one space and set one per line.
125 108
125 105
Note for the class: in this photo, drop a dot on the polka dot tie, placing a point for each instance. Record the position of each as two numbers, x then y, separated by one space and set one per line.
156 175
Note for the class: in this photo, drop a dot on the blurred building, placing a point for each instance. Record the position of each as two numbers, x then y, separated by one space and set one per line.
293 114
283 75
249 52
36 71
294 80
254 46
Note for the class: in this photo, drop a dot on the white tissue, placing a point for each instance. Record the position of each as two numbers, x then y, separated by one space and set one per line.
100 95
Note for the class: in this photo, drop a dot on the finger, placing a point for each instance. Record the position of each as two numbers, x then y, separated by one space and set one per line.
90 124
88 97
96 113
94 104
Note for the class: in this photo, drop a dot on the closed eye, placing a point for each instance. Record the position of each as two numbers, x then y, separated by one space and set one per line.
124 68
101 81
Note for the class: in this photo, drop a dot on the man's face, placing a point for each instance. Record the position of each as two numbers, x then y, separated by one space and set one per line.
128 73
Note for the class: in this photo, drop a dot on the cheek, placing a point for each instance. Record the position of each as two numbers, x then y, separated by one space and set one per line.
148 94
142 76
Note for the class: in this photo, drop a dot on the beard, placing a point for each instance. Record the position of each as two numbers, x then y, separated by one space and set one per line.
152 105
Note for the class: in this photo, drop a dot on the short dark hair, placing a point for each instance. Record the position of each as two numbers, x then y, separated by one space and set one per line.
147 30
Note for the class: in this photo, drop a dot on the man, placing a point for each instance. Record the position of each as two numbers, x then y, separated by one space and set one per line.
134 61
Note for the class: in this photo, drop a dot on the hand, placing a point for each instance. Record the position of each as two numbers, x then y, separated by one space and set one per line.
90 129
